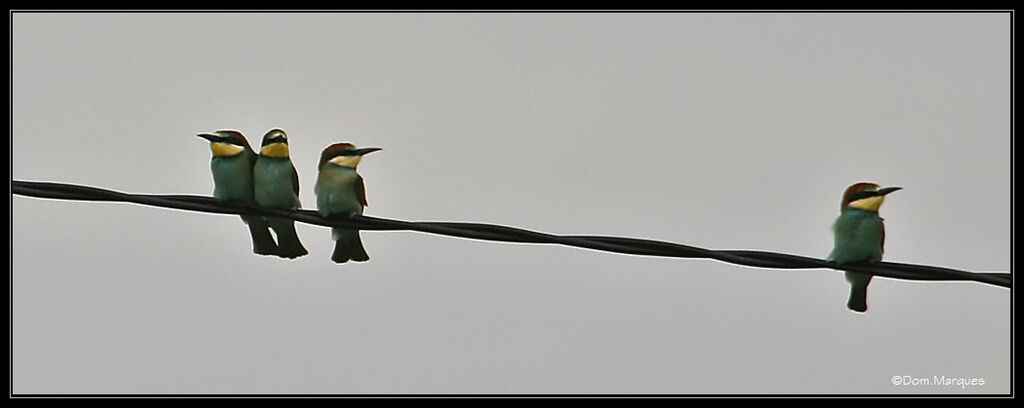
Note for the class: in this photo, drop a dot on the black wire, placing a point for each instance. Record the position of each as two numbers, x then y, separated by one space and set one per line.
490 232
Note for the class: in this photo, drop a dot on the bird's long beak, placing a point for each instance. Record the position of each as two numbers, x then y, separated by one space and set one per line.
366 150
209 136
887 190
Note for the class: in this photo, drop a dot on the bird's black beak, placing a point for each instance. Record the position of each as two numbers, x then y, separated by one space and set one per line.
366 150
887 190
209 136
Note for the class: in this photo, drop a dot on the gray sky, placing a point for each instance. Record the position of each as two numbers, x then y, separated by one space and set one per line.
729 131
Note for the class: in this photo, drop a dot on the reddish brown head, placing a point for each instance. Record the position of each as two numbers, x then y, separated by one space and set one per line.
865 196
234 136
343 154
226 142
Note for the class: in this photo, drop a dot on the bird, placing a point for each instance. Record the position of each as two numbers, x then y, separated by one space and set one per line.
276 185
231 166
340 192
859 236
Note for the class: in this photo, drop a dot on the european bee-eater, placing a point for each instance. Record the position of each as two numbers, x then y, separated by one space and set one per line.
340 192
860 236
276 185
232 181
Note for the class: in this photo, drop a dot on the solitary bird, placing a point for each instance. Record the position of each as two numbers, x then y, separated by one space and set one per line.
340 192
860 236
276 185
232 181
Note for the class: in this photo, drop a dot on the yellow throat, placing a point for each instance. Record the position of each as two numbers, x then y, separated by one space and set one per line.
276 150
221 149
868 204
346 161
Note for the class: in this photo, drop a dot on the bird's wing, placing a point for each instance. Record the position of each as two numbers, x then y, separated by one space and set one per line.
251 156
295 181
360 190
883 234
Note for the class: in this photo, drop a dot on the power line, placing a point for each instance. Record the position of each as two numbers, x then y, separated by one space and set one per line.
491 232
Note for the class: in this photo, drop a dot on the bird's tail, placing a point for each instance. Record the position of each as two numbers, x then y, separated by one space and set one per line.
348 246
262 242
288 243
858 299
858 291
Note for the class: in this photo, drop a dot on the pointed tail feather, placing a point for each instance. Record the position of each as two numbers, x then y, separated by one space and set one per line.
262 242
348 246
858 299
288 243
858 291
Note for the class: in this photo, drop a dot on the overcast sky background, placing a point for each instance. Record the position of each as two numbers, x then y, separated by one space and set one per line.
728 131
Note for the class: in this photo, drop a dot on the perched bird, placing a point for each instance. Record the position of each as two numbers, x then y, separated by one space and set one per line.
860 236
276 185
232 181
340 192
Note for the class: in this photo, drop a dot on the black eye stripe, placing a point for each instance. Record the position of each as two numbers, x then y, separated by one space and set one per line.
863 194
278 138
341 153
